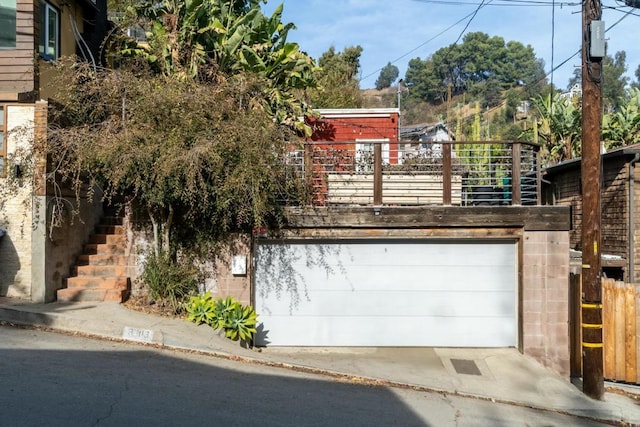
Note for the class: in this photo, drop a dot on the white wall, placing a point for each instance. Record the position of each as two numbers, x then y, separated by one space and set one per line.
16 207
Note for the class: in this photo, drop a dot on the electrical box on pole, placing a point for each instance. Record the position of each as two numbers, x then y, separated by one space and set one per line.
633 3
597 45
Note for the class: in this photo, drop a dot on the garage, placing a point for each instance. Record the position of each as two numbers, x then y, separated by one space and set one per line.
386 292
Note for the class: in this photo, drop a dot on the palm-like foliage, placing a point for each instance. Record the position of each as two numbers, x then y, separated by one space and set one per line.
186 37
622 127
559 127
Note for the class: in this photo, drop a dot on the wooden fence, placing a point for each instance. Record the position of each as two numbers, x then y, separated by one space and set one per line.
416 189
621 329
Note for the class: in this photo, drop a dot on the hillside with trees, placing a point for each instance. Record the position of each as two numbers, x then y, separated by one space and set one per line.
486 88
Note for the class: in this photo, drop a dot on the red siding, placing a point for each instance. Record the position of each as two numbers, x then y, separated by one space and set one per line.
356 126
352 128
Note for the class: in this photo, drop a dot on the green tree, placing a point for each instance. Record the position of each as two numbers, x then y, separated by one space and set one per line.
337 79
388 75
185 38
614 82
622 127
559 127
204 156
426 82
478 59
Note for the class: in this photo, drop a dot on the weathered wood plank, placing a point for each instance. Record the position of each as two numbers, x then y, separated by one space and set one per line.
14 69
421 233
396 189
532 218
637 305
19 55
609 327
619 332
630 333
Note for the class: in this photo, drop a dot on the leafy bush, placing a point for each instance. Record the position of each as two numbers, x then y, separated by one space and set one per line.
170 281
237 321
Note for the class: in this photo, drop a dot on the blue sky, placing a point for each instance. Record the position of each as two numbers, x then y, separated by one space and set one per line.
399 30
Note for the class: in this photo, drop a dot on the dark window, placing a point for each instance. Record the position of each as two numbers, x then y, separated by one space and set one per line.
49 47
7 24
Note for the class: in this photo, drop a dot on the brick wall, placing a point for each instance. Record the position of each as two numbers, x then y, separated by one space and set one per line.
218 276
545 298
221 281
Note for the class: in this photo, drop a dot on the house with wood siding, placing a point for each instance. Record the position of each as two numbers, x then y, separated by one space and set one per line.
33 35
620 226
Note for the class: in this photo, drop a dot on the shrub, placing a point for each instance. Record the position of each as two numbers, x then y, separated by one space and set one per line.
170 281
201 309
237 321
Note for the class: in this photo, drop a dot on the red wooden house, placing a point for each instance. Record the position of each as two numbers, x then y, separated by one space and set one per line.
356 130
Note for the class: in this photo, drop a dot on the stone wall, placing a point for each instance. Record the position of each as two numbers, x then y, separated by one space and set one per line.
545 298
15 246
16 205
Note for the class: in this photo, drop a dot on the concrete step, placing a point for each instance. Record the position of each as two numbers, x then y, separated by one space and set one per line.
101 259
100 272
109 239
110 229
103 249
98 295
92 282
105 270
111 220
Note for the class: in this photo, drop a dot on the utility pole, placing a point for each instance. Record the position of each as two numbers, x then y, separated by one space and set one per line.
592 54
400 86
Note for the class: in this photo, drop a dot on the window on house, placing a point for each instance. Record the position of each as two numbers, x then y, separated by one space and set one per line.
3 143
365 153
49 47
8 24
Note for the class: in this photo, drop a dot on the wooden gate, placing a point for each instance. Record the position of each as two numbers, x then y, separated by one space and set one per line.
621 321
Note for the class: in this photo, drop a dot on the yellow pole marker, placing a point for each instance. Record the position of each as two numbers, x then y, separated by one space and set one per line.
592 345
592 326
589 305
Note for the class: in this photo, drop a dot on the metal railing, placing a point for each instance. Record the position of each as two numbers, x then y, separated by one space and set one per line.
417 173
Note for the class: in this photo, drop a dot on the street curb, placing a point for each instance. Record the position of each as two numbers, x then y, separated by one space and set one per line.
51 322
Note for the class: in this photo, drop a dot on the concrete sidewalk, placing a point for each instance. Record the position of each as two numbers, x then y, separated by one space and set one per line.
501 375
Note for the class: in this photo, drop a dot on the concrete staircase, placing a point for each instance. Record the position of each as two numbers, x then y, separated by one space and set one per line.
100 273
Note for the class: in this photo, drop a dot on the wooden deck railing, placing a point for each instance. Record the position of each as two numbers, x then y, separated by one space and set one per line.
410 173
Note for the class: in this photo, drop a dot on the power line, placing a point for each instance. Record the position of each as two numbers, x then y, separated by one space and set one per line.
494 3
421 45
480 6
502 3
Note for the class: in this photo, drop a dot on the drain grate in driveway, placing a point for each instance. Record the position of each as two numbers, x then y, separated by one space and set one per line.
465 366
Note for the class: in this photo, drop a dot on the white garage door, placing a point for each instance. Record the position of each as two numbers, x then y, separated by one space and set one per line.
386 293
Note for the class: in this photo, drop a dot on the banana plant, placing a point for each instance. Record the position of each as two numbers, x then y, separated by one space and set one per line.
185 36
559 127
622 127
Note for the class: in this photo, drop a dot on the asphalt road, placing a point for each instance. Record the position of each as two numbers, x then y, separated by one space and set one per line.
49 379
